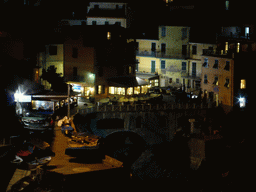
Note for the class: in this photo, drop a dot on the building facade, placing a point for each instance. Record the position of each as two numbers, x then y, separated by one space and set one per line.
218 79
97 60
107 13
172 57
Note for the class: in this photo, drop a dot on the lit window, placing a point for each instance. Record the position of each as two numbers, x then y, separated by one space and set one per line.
216 80
216 64
108 35
227 5
119 90
111 90
137 90
130 69
246 31
243 84
226 47
238 47
130 91
99 89
156 82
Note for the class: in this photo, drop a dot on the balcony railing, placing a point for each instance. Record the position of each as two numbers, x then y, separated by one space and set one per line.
169 53
223 53
190 75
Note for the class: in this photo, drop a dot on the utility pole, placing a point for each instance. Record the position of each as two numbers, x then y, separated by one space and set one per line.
68 101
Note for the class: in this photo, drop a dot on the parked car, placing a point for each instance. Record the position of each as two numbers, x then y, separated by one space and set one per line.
36 120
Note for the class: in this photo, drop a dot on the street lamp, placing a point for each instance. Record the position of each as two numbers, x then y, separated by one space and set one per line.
241 102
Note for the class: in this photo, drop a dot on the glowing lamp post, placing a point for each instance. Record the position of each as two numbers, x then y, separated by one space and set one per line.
242 102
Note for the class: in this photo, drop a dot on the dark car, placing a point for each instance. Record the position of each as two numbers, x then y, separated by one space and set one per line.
37 120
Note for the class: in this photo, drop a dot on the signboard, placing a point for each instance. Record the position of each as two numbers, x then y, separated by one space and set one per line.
77 88
22 98
43 105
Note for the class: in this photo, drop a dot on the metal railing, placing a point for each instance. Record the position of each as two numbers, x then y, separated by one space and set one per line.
142 107
167 54
7 140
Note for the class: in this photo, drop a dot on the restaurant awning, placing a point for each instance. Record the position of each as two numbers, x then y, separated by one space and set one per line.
52 96
123 81
146 76
126 81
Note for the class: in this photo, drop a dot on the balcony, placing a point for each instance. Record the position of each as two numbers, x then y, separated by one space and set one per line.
169 53
192 76
217 53
231 36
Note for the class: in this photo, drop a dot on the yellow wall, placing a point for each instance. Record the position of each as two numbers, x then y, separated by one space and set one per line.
225 94
56 60
173 39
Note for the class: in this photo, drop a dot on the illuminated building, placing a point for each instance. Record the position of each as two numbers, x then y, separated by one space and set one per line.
99 59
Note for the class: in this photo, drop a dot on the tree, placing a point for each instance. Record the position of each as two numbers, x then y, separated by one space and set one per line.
55 79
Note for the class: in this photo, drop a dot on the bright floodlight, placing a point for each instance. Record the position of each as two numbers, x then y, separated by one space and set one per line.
18 96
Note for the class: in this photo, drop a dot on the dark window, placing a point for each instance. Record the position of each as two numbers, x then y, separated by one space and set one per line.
162 122
216 64
205 64
103 89
153 46
184 33
194 49
163 31
94 22
118 23
227 65
177 80
184 65
163 64
53 50
184 49
153 66
227 83
75 52
106 23
114 122
163 47
74 71
188 86
170 80
193 69
100 71
216 80
96 6
205 79
137 46
138 122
